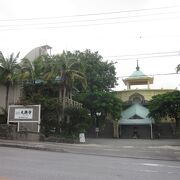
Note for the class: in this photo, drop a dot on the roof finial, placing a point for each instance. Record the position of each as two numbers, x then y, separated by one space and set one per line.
137 68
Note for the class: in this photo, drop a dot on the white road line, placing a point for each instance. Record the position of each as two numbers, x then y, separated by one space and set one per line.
166 147
149 171
150 164
160 165
108 149
128 146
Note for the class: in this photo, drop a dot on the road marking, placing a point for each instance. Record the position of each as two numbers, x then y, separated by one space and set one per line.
177 167
147 170
111 149
166 147
128 146
154 171
160 165
150 164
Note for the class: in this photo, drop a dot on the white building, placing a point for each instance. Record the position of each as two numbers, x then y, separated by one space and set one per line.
36 52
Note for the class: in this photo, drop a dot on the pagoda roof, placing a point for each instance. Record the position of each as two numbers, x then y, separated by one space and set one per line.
137 74
138 78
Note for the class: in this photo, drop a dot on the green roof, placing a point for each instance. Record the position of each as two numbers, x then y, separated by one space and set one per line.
137 73
135 109
136 114
138 78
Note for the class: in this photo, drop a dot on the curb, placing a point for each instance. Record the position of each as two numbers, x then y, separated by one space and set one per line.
61 150
31 147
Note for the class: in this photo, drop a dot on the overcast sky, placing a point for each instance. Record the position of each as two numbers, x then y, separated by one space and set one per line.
120 30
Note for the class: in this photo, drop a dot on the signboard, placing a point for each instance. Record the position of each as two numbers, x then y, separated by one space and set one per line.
27 117
23 113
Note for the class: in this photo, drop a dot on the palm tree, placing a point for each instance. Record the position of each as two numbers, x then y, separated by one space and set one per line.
8 73
32 71
68 70
59 68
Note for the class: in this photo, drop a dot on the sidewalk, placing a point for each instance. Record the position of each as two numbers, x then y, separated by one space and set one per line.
135 142
123 148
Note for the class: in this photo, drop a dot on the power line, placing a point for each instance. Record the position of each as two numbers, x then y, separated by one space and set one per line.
93 14
123 55
145 57
165 74
87 25
88 20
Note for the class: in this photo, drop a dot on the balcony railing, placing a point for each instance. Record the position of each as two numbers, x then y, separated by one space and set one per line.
71 103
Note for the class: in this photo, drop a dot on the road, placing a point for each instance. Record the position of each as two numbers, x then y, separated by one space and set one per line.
26 164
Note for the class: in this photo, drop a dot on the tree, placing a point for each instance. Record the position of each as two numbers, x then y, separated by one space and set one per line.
32 71
105 103
8 73
101 75
49 73
163 105
50 109
78 121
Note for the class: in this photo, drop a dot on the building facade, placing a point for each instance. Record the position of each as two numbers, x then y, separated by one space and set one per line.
134 121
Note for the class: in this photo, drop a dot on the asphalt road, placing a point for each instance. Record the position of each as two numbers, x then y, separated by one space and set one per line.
26 164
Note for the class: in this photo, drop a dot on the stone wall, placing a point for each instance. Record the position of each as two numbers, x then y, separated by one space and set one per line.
9 131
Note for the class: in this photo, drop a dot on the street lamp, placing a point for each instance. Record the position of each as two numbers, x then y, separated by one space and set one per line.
98 114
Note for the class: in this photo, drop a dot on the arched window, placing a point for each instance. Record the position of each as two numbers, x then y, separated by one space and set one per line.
136 98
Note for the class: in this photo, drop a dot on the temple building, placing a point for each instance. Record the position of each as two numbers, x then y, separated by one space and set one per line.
134 121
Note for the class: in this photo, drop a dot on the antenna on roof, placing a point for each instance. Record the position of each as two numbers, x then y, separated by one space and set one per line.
137 68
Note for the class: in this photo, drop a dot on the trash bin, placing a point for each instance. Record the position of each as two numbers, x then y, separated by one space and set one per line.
82 138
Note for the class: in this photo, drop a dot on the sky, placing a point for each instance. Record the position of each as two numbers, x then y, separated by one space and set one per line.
121 31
